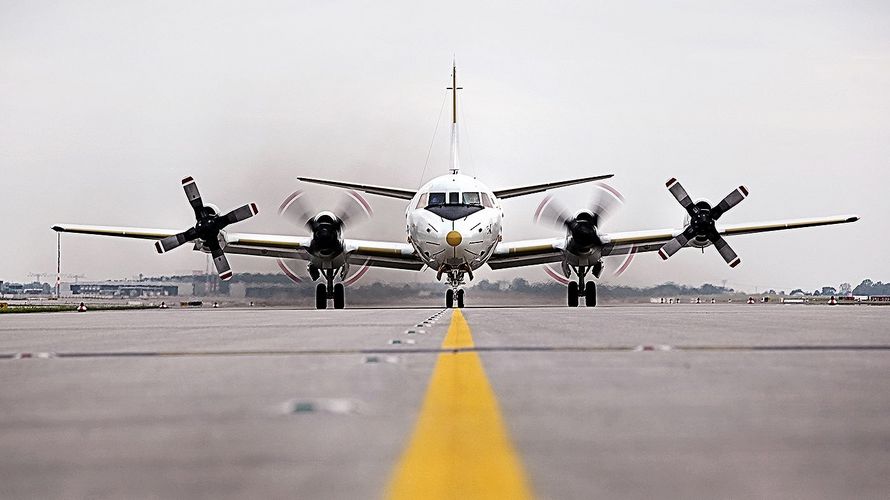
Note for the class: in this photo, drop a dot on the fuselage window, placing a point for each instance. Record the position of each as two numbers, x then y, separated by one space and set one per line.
471 199
436 199
453 198
424 199
486 201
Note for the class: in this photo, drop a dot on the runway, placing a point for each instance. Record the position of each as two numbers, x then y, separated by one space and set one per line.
672 401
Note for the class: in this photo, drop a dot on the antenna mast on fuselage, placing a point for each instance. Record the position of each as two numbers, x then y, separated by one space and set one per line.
455 160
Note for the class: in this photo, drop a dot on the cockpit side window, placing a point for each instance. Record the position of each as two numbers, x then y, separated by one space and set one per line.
436 199
423 200
471 199
486 201
453 198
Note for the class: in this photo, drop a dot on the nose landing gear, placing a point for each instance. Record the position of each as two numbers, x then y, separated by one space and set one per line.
452 296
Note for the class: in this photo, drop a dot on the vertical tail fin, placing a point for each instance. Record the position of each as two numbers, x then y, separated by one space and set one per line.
455 158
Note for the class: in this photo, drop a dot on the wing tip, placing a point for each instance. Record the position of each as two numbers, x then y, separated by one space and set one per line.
253 209
744 191
58 228
662 254
159 247
852 218
187 180
226 276
670 181
735 262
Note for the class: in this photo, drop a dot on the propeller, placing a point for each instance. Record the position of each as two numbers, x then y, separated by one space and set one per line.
701 222
326 227
351 209
207 228
581 224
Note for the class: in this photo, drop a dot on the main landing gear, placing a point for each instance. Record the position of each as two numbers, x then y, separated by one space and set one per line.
451 296
579 288
330 291
575 293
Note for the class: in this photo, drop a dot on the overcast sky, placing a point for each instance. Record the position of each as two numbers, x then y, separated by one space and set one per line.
106 105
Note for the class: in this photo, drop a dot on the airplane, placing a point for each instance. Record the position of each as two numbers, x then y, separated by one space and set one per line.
454 227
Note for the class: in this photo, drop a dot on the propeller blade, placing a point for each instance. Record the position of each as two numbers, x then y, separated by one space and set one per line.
673 246
290 273
726 251
353 209
239 214
193 195
553 213
680 194
294 207
731 200
171 242
219 260
605 201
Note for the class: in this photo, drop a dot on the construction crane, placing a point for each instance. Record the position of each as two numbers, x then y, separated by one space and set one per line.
37 276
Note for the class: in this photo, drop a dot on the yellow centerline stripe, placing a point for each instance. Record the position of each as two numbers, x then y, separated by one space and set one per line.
460 448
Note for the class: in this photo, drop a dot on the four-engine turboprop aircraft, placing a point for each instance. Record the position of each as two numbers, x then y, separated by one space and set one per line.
454 228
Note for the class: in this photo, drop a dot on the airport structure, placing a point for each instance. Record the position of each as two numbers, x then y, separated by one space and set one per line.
124 289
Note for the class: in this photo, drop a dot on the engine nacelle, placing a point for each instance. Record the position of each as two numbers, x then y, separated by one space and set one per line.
327 240
704 205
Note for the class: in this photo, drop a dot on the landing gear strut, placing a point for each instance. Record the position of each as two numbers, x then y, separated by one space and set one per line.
325 292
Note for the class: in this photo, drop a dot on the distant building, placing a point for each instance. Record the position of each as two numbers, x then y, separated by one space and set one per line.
124 289
34 288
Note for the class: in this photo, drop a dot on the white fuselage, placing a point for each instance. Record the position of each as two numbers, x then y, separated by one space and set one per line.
454 223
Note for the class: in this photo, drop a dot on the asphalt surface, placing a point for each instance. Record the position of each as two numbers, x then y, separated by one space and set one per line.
673 401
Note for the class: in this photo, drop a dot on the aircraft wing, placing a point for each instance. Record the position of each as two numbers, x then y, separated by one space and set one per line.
543 251
383 254
402 194
538 188
373 253
123 232
526 253
650 241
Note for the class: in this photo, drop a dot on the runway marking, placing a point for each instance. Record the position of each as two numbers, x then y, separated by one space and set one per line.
460 447
416 350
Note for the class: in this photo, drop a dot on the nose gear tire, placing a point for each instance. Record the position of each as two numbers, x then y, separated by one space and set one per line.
573 294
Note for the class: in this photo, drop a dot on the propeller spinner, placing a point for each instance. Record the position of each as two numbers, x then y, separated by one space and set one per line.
701 226
207 228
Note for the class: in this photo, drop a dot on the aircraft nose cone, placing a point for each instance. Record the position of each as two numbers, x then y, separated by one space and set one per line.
453 238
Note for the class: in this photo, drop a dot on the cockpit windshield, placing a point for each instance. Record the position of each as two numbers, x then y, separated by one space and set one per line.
452 205
444 199
436 199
